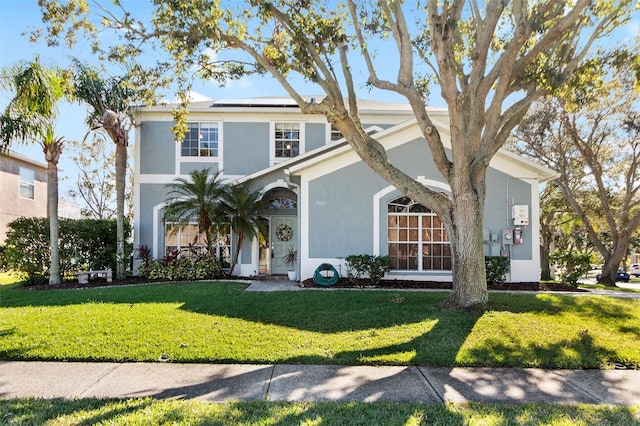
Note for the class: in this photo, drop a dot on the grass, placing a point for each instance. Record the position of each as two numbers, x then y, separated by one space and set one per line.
148 411
220 322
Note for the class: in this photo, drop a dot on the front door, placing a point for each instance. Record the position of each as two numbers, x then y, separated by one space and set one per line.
284 234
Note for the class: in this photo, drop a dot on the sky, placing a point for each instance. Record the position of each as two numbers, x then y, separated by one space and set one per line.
20 16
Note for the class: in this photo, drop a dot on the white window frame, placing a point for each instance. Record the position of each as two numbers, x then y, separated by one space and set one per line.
444 241
27 182
222 242
218 157
333 133
272 140
179 158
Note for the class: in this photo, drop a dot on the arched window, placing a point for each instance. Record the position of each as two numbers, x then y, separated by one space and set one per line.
282 203
417 238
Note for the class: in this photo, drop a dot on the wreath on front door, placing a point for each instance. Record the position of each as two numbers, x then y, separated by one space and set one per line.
284 232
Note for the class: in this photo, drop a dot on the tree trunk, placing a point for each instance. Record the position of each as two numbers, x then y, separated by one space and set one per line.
115 127
469 275
613 260
121 176
52 153
237 253
545 250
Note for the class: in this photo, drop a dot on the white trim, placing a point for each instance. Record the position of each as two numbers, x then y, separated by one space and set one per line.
219 159
273 160
377 197
280 183
156 227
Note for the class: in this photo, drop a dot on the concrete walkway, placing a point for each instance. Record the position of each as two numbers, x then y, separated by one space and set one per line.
219 383
283 285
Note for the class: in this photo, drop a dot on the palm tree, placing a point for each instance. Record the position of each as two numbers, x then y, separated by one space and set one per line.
110 100
198 196
30 117
242 207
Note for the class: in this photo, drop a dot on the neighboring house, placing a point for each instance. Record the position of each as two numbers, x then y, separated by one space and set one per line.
68 209
324 201
23 189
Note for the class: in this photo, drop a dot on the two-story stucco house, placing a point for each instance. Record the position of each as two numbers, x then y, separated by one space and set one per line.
324 200
23 189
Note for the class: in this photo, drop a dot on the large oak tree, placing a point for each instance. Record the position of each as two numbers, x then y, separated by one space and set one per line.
489 61
592 138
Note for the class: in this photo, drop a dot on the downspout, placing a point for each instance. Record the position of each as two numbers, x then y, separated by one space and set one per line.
296 188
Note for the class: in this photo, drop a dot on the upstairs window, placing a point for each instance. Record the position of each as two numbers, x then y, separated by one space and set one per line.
287 140
27 183
201 140
335 133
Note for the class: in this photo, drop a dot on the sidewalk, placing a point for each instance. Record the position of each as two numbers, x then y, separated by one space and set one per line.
219 383
283 285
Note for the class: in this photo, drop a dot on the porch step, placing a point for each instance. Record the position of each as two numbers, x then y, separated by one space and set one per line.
278 277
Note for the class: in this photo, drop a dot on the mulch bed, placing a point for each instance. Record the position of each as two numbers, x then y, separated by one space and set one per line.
435 285
343 283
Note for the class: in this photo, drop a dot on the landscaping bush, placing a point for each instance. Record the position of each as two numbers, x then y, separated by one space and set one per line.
3 258
571 264
496 268
366 265
84 244
176 267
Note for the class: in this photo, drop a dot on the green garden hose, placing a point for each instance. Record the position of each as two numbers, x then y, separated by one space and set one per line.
326 280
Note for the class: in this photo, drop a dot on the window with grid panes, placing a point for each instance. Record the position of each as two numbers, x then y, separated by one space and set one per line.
186 240
417 238
287 140
335 133
201 140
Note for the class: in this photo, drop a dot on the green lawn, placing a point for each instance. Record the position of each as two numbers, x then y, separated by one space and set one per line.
220 322
148 411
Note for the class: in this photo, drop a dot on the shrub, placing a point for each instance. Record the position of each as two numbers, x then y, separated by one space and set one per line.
496 268
3 258
84 244
175 267
572 265
366 265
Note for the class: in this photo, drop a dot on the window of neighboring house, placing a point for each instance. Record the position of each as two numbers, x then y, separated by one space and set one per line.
417 238
188 241
335 133
287 140
27 183
201 140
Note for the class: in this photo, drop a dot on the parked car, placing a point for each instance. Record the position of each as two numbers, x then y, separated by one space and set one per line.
635 269
621 275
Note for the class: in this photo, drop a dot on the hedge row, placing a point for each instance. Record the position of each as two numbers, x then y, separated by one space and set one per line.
84 244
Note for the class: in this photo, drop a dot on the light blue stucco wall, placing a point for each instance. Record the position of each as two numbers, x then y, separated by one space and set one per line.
188 167
341 204
157 152
150 196
315 136
246 147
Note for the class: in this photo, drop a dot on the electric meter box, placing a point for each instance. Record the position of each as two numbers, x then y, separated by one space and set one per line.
520 214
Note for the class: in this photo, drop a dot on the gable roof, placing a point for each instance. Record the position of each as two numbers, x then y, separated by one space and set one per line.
341 146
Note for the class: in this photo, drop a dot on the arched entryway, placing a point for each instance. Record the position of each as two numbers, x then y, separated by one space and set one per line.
281 221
